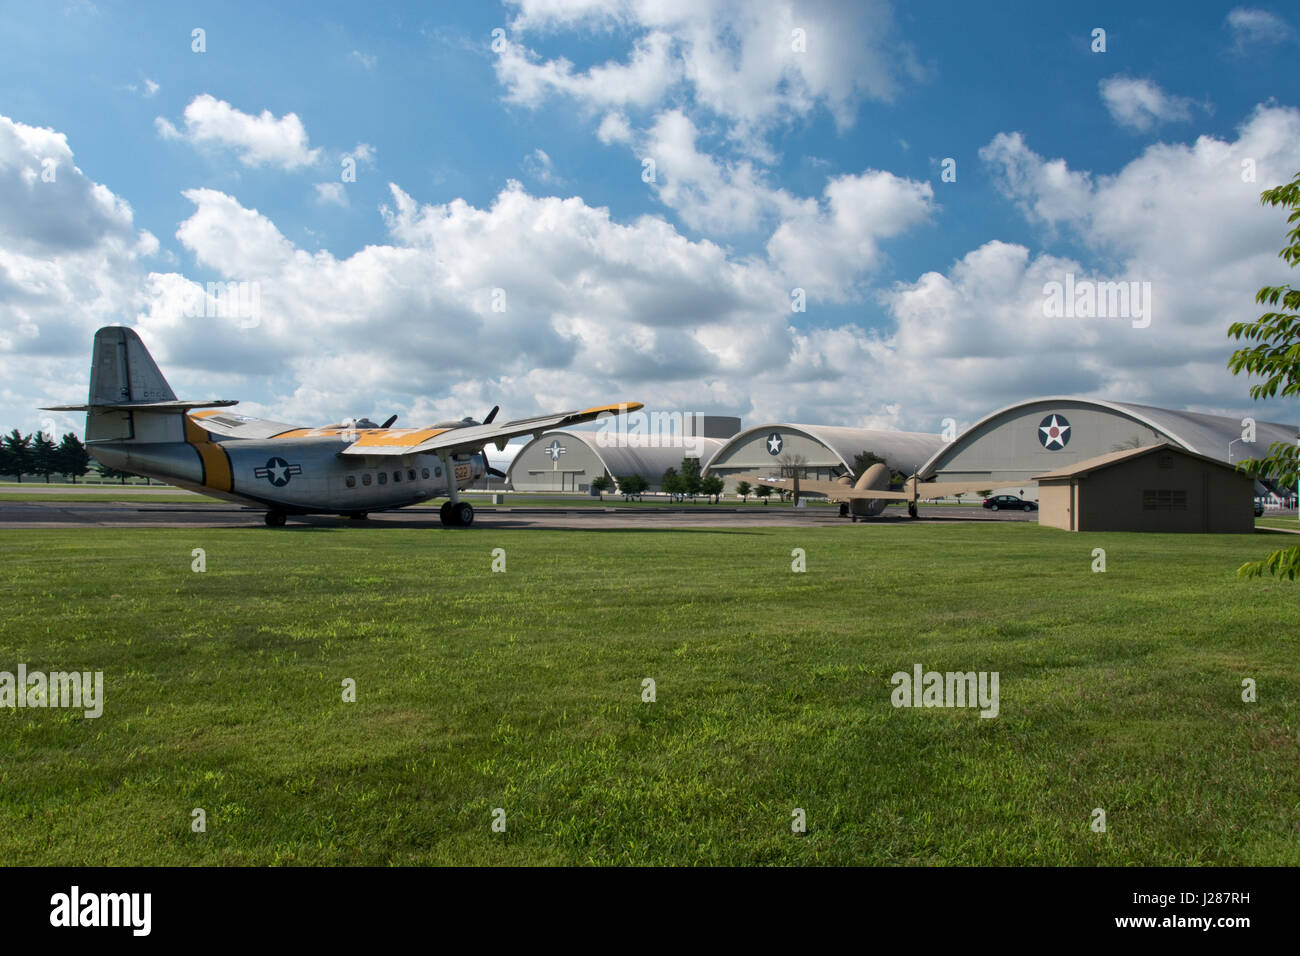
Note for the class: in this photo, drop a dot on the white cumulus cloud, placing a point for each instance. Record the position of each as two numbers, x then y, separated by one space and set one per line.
1140 104
261 140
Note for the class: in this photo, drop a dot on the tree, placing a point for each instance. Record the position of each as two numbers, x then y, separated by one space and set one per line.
865 459
632 485
110 473
73 459
764 492
792 465
601 484
45 456
1275 357
17 453
712 486
671 483
692 483
744 489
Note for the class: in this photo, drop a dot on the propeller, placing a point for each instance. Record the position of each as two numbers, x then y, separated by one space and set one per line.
389 423
495 473
491 415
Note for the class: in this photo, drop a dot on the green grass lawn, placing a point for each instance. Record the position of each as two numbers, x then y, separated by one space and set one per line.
522 690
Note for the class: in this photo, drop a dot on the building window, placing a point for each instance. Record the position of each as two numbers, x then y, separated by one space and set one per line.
351 481
1164 499
365 479
424 472
383 477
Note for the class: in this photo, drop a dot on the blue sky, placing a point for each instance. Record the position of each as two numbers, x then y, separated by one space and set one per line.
1119 165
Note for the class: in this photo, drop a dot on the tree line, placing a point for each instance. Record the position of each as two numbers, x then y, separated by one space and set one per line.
37 454
680 483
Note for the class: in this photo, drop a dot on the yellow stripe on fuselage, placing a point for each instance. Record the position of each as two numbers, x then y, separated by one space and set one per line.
216 463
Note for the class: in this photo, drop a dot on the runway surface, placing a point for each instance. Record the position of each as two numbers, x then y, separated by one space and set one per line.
44 514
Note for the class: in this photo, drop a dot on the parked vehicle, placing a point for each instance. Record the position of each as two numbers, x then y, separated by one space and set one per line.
1009 503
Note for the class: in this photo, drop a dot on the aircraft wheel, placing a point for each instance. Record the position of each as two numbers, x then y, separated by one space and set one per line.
275 519
445 515
911 509
464 513
359 516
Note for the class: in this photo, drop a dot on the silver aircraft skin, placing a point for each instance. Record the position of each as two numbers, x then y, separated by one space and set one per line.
134 422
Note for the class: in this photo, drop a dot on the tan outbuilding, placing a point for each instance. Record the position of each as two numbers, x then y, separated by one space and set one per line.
1156 488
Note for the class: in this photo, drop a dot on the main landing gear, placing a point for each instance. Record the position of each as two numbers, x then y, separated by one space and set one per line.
275 519
911 509
456 514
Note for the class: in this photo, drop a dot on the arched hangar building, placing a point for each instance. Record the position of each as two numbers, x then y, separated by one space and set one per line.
1008 448
569 460
822 452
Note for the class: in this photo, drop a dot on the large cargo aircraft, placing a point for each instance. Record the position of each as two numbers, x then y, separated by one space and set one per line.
134 422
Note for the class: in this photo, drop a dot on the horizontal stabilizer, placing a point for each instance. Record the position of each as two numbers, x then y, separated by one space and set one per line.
178 405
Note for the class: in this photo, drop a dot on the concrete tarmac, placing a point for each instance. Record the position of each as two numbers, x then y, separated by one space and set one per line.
44 514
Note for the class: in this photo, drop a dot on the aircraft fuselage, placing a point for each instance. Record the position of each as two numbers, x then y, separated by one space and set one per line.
293 475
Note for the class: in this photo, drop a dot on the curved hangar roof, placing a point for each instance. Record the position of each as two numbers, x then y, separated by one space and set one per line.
580 455
1033 437
826 447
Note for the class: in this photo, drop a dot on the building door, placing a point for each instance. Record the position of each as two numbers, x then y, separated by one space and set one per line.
1205 502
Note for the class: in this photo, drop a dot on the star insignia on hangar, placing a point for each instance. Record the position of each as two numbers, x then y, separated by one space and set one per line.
555 449
1054 432
774 443
278 471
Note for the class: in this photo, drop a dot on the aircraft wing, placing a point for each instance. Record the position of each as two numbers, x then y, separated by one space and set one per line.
946 489
912 490
472 437
831 489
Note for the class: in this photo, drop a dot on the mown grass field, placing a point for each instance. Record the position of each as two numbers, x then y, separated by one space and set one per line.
523 690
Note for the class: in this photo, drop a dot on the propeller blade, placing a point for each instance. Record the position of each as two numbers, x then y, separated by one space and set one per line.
492 414
389 423
496 474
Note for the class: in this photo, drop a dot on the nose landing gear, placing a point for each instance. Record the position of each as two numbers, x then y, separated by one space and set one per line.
275 519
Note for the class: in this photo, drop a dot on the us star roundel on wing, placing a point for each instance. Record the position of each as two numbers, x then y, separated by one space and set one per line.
1054 432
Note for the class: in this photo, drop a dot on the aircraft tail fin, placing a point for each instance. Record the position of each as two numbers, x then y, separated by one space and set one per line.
122 370
125 381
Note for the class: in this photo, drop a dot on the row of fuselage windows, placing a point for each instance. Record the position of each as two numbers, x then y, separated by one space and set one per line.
382 477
